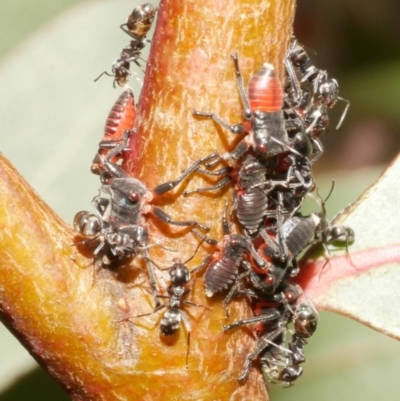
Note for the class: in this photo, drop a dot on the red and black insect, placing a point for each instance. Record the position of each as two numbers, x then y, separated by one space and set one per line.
268 281
251 200
119 224
121 118
265 123
137 27
223 265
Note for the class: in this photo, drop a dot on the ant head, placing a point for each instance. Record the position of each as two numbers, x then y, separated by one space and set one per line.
305 322
340 233
289 374
179 274
302 143
329 91
297 54
114 239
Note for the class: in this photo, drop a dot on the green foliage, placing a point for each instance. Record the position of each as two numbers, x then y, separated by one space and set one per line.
52 114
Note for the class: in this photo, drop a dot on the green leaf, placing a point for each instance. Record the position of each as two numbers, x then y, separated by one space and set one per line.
20 18
375 91
364 284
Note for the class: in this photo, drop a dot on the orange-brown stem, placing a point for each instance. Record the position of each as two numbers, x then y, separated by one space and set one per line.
79 324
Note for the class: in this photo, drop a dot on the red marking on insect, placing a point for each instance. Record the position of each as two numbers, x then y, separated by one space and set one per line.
265 90
255 266
121 118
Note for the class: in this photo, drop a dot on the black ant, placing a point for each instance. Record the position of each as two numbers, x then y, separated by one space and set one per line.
179 276
137 27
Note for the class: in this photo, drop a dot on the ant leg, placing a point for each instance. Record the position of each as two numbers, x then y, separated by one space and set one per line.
260 347
285 146
152 278
100 205
318 149
206 261
103 73
194 304
158 308
270 315
188 331
138 64
233 292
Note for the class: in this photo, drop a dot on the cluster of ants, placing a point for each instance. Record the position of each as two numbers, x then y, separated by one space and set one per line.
271 173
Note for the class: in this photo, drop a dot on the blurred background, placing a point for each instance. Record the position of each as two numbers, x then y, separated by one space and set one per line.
51 114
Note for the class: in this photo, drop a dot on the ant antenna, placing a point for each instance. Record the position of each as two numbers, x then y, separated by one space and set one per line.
321 201
188 349
154 263
344 112
194 253
209 241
